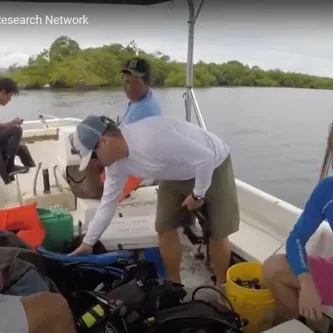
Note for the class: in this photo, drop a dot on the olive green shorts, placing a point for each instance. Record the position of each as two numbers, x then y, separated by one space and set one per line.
221 203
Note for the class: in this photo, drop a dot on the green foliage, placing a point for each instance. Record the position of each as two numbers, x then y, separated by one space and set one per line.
66 65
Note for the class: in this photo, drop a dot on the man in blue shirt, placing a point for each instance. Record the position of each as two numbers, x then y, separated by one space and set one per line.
301 283
142 102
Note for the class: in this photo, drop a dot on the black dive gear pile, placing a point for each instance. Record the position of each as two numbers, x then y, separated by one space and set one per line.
73 277
155 306
126 295
80 277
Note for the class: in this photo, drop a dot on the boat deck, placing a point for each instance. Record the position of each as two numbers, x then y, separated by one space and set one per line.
245 242
45 152
265 220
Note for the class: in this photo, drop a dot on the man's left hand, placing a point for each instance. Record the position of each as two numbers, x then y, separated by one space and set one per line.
191 203
82 249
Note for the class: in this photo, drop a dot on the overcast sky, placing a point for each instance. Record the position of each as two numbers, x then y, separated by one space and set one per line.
286 37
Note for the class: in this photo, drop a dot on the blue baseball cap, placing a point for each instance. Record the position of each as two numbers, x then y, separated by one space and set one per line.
86 136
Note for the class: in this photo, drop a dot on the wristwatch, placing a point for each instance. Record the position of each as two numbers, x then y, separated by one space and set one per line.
198 197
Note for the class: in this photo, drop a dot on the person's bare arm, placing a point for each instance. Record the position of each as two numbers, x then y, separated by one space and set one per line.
113 187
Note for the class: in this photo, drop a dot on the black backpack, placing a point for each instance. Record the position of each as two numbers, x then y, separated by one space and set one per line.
73 279
126 307
193 317
155 306
196 316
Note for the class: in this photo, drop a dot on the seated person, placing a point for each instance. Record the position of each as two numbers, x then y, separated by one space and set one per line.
302 284
10 139
37 313
24 154
10 134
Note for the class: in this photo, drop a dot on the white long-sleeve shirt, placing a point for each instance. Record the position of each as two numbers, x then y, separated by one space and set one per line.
161 148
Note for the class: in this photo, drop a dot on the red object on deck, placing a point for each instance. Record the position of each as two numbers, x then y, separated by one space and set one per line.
25 221
131 185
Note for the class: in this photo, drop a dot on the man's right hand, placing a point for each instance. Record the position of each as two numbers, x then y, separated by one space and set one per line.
309 299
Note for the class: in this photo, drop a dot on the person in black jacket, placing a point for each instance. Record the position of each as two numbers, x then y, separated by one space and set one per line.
10 136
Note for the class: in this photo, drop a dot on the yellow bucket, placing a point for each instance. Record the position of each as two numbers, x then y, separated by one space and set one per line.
255 305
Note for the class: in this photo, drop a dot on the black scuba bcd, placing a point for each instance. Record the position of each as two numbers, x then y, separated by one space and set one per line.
150 306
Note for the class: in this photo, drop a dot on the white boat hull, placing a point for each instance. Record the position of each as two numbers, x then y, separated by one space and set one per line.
266 221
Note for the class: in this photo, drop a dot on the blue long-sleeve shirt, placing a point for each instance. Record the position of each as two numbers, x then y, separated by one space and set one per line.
318 208
146 107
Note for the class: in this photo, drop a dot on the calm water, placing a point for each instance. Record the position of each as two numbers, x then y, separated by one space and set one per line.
277 136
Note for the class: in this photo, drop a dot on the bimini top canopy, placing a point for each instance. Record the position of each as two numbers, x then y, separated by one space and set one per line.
111 2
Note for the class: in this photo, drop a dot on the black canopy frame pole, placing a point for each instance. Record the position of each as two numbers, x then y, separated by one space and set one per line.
190 99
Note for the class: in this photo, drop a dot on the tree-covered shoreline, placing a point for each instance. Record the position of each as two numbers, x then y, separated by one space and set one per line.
65 65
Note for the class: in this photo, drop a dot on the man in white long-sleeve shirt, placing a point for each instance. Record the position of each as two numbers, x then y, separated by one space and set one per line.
193 165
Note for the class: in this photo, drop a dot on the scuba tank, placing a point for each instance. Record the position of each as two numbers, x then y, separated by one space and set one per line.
100 316
92 317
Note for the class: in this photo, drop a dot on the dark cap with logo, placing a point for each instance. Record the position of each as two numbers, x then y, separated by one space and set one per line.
138 67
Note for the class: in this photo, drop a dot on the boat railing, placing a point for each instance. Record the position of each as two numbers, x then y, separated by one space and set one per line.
190 99
54 120
327 161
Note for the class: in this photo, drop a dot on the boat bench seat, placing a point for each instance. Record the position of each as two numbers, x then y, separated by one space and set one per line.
253 244
291 326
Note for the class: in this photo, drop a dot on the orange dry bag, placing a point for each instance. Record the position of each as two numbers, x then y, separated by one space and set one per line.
131 185
26 222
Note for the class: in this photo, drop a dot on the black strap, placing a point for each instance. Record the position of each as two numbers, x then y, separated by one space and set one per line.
203 222
204 226
193 238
